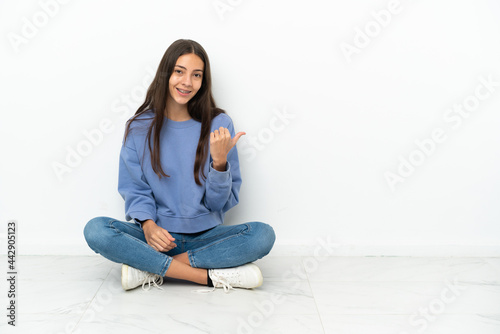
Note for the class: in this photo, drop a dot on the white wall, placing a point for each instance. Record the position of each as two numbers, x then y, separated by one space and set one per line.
318 174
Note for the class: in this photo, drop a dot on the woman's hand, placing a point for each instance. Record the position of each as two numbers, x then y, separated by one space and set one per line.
158 237
220 145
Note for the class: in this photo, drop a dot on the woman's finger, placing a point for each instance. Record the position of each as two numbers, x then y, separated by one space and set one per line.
237 137
159 241
168 235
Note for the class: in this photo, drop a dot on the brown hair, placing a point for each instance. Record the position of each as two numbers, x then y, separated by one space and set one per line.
201 107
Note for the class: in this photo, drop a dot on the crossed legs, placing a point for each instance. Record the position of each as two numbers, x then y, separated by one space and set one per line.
220 247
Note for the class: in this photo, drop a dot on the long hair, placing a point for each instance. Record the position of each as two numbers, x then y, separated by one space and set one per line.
201 107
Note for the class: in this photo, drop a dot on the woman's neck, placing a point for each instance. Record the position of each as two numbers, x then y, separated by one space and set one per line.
176 112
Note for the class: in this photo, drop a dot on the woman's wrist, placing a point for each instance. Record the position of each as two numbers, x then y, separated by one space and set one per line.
220 166
147 223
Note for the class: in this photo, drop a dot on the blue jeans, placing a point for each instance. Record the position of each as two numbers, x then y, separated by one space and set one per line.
222 246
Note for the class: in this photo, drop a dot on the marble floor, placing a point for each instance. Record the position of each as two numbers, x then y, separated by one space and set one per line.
341 295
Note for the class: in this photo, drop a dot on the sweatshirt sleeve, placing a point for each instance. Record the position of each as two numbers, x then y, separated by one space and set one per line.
133 187
222 188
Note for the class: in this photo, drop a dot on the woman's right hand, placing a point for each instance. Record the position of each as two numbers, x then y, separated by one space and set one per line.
157 237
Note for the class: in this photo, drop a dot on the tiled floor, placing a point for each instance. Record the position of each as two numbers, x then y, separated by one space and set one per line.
389 295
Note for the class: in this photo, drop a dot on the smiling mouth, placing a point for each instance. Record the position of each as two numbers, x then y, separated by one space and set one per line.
183 92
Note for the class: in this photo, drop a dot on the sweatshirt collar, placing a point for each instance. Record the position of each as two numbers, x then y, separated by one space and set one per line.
180 125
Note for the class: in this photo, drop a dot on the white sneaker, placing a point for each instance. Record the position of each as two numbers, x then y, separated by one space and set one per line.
247 276
132 278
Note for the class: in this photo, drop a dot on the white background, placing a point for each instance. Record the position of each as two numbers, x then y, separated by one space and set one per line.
318 173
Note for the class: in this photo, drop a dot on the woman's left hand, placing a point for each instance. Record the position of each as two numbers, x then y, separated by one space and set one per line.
220 145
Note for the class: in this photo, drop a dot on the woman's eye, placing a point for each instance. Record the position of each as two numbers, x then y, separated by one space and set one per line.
178 71
198 75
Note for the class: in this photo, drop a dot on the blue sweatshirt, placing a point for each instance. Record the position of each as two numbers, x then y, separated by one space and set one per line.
176 203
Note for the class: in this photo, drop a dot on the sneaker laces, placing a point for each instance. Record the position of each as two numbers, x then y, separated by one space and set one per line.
216 279
203 290
152 279
225 284
223 281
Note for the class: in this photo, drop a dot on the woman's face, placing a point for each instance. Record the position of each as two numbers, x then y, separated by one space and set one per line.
186 78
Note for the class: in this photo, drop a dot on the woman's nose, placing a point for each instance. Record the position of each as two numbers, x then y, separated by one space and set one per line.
186 81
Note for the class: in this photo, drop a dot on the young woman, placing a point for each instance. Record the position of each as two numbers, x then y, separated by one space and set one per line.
178 174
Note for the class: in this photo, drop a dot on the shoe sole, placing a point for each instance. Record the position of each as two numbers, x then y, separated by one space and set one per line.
124 277
256 269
